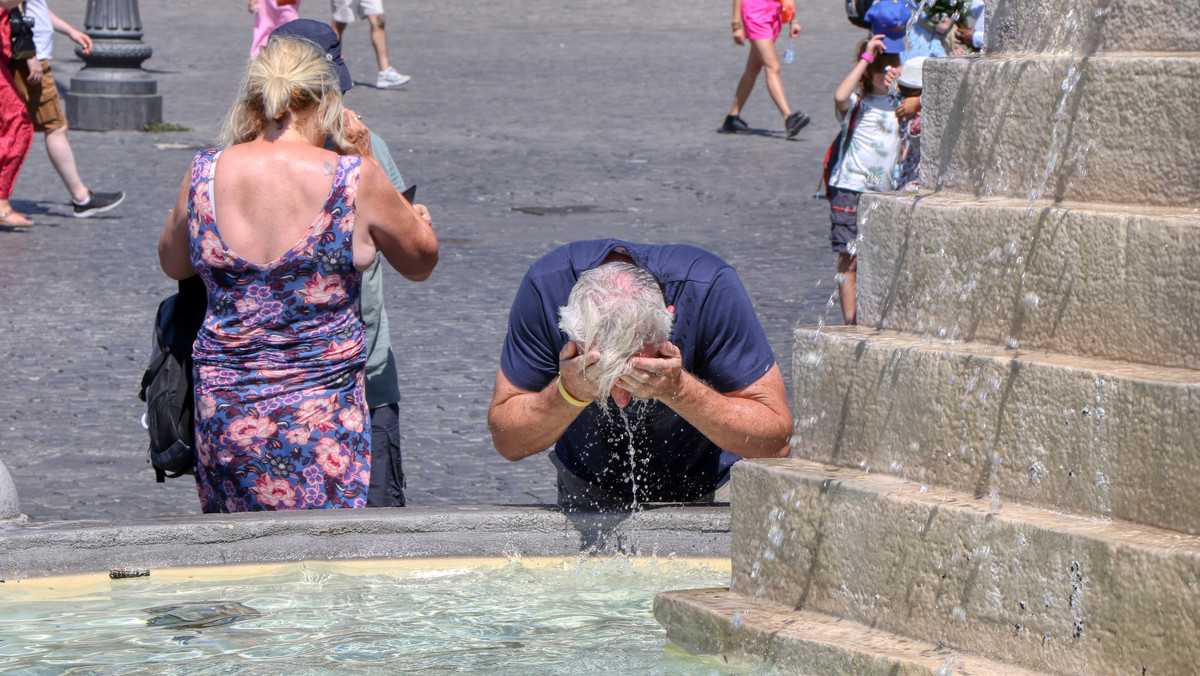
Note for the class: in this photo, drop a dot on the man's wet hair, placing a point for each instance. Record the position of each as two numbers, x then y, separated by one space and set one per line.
617 309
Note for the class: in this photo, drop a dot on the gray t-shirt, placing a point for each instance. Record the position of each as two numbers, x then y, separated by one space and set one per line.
383 386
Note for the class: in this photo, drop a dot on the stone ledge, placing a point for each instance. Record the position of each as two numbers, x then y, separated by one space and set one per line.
1092 26
1008 127
1012 583
718 622
59 548
1107 282
1088 436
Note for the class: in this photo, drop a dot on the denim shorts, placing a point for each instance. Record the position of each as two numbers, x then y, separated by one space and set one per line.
843 216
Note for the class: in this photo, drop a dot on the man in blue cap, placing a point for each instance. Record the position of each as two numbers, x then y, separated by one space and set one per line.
383 391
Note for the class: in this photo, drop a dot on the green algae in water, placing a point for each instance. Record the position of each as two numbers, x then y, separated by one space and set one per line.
575 616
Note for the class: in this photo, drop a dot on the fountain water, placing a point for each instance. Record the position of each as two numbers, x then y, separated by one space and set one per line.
999 470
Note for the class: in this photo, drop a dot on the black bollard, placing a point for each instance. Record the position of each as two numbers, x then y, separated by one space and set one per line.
112 91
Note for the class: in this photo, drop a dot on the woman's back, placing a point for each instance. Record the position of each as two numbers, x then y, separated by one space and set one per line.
281 413
268 194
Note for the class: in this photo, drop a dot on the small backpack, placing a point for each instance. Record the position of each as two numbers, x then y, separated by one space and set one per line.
838 148
856 10
167 386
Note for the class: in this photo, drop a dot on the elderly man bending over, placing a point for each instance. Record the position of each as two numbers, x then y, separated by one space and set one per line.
599 323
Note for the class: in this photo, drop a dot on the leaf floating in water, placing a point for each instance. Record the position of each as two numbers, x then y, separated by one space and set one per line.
199 615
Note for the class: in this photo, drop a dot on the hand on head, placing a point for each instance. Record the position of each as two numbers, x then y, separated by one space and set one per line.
572 368
357 135
875 46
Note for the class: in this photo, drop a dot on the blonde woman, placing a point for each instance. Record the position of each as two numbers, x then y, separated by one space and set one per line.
280 230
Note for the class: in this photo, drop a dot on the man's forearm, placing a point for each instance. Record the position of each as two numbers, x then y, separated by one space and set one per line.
750 425
530 422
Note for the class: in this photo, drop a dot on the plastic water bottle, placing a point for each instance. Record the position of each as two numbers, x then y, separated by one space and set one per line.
789 54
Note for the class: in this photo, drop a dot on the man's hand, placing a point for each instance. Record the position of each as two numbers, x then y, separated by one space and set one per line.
658 377
572 368
35 71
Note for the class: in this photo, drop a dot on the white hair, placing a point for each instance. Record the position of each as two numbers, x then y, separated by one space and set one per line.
618 310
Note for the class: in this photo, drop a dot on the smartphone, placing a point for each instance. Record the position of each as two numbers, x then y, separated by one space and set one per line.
410 193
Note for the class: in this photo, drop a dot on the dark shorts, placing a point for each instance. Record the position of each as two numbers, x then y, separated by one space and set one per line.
843 216
387 473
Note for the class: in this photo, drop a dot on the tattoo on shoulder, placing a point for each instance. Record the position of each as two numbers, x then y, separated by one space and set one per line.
328 168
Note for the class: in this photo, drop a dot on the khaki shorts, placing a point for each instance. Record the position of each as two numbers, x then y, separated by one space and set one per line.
41 99
345 11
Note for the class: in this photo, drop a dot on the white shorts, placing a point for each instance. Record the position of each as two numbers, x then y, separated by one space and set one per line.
345 11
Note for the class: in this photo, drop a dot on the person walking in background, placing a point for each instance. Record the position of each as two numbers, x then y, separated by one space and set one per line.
345 12
35 84
269 15
759 21
16 129
869 152
281 415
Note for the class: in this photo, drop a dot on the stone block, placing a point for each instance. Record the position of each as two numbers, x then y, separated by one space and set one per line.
1015 584
756 633
1105 438
1064 128
1085 27
1111 283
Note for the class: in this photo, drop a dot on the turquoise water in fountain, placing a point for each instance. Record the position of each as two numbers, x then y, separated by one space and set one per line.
548 616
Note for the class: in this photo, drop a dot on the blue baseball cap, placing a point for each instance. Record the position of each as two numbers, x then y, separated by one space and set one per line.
889 18
322 35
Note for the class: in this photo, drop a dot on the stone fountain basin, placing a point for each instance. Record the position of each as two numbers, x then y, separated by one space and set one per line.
32 550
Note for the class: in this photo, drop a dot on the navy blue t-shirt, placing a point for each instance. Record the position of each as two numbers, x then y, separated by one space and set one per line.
715 329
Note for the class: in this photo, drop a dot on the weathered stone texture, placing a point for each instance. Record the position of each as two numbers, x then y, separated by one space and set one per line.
1109 129
1016 584
1085 27
1086 436
1112 283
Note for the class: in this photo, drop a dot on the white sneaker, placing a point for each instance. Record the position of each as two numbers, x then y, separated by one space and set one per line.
390 78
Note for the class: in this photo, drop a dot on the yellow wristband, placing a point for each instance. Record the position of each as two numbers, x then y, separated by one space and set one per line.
567 395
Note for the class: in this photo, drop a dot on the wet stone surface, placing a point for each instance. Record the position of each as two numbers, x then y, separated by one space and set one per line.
558 122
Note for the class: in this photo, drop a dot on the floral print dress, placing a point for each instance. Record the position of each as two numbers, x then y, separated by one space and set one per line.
281 416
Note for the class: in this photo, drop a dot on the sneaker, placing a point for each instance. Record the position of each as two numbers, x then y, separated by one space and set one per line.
390 78
795 122
98 203
734 124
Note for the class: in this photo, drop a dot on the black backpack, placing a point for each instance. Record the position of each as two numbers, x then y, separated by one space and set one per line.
167 386
856 10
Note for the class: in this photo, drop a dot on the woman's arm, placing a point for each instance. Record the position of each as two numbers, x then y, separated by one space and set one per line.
739 31
174 253
401 232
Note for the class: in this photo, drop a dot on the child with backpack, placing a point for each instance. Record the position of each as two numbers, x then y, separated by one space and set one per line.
867 152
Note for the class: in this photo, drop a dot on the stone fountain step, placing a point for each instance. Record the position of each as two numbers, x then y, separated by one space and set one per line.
1093 26
1082 435
719 622
1012 583
1053 126
1106 282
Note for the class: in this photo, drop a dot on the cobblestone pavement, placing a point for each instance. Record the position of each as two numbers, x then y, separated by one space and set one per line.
528 124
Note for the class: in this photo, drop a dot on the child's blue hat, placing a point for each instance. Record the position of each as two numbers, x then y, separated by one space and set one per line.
889 18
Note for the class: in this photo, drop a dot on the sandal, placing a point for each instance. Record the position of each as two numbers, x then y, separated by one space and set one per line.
20 222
